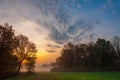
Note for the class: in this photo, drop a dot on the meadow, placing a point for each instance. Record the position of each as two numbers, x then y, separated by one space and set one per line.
69 76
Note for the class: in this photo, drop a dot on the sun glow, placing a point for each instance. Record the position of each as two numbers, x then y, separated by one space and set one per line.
46 57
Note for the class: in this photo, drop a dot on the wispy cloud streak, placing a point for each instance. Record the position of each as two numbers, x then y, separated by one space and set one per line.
61 19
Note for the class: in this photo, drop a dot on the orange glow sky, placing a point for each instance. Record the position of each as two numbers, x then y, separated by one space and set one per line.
26 27
40 40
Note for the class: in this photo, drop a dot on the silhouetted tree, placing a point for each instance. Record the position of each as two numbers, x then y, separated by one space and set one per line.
24 49
80 55
30 64
91 52
8 61
116 44
105 52
86 57
66 59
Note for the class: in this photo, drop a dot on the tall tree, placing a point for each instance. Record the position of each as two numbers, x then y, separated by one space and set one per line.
8 61
83 57
106 52
30 63
80 55
24 49
66 58
116 44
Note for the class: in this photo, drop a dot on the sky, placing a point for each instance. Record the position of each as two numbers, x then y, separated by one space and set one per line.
52 23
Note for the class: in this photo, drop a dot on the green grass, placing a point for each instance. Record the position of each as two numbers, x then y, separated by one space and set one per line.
69 76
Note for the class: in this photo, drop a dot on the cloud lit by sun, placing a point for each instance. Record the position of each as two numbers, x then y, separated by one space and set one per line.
46 57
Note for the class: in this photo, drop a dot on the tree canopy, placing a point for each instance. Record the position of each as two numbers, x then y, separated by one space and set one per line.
14 50
97 56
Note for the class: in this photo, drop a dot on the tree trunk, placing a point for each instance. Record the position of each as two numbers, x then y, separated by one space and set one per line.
19 67
2 74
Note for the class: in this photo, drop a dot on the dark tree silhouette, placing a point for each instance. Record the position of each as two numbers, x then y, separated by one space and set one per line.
86 57
30 63
13 51
8 61
116 44
24 50
105 52
66 59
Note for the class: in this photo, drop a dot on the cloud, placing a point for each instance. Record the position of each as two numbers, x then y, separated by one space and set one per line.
61 23
53 46
49 45
56 46
51 51
60 20
56 17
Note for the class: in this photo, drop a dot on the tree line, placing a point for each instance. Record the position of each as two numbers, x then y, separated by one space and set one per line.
15 51
102 55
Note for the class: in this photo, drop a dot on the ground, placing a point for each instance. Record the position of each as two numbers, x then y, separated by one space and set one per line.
69 76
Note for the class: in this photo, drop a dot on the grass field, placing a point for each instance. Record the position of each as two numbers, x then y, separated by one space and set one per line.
69 76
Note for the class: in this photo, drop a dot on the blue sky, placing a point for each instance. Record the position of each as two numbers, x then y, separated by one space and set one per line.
52 23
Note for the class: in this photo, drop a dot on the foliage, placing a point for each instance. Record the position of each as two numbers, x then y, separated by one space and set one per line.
24 49
14 50
116 44
8 61
87 57
30 64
